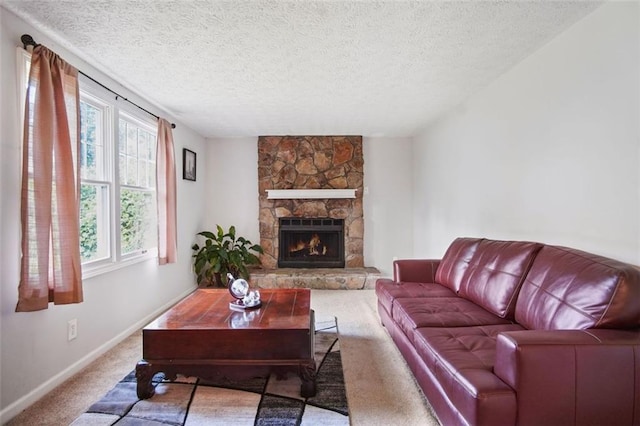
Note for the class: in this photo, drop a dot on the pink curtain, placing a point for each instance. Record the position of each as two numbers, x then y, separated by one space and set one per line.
51 267
166 192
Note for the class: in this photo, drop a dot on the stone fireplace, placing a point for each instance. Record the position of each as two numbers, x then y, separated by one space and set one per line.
311 162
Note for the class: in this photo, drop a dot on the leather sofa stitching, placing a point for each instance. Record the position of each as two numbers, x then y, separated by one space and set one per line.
613 296
575 386
587 332
542 289
514 297
636 391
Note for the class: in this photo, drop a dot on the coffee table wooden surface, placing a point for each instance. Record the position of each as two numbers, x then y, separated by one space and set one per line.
202 336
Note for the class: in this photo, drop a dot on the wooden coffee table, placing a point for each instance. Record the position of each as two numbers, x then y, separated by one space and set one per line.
202 337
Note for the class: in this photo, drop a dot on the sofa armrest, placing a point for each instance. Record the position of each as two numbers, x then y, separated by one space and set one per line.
415 270
572 376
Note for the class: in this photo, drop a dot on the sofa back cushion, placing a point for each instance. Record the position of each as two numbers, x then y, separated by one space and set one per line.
495 274
571 289
455 261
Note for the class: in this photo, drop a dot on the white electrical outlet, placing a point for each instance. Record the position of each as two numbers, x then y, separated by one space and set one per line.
72 329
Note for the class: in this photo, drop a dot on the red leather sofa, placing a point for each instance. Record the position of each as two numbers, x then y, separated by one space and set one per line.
519 333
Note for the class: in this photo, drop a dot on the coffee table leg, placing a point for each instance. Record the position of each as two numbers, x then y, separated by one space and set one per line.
308 376
144 375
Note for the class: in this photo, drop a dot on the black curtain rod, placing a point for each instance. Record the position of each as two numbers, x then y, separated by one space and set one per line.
27 40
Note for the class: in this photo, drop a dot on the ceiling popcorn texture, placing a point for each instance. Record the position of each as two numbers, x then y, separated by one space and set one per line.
250 68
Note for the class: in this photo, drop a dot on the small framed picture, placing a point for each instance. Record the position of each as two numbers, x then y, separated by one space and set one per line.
188 164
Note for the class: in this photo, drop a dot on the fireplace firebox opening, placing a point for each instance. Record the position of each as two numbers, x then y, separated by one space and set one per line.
311 243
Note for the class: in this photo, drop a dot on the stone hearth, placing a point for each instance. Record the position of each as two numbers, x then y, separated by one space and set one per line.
326 278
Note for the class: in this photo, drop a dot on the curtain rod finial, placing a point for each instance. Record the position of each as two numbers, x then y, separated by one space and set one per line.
27 40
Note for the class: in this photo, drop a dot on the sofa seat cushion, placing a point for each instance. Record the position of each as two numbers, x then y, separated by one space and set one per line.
412 313
574 290
495 274
461 359
387 291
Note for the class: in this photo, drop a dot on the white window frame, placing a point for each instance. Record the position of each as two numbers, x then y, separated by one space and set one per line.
130 115
94 94
117 259
89 96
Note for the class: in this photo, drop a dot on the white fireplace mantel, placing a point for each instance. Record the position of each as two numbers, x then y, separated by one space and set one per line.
300 194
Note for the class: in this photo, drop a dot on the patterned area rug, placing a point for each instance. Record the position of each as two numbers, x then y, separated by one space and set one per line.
260 401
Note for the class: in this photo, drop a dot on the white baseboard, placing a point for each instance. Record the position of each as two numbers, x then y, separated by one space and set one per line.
21 404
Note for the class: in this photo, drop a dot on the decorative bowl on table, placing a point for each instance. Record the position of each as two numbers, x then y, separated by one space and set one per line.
245 297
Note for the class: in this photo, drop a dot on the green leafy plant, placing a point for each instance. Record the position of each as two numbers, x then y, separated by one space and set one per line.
223 253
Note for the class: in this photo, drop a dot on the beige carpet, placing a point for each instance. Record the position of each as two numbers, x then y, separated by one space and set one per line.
380 387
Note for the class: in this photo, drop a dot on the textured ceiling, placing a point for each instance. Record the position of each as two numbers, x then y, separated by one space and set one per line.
249 68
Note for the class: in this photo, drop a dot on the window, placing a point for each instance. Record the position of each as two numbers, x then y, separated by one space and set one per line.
96 177
118 218
137 170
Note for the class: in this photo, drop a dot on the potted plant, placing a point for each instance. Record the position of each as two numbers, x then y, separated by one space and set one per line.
223 253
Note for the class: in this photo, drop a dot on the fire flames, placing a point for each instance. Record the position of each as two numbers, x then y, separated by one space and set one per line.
314 247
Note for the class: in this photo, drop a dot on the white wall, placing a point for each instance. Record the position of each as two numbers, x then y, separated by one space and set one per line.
388 201
35 353
232 186
550 151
